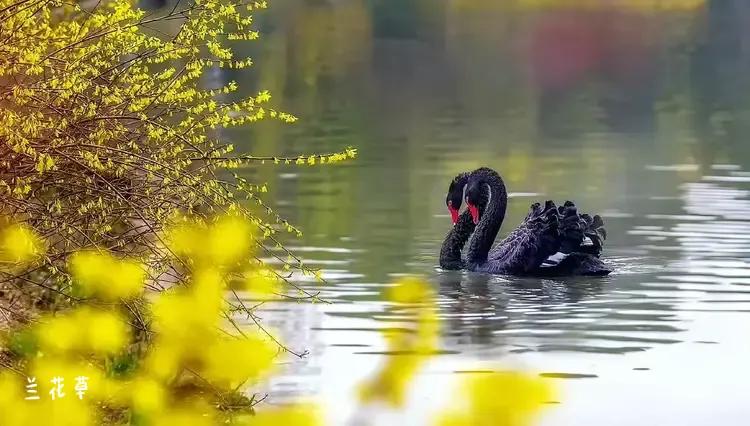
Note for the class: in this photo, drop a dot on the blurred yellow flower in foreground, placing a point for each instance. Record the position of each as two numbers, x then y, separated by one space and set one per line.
497 399
232 362
219 244
407 349
410 291
84 330
297 415
147 395
187 343
262 284
19 244
186 416
100 274
188 316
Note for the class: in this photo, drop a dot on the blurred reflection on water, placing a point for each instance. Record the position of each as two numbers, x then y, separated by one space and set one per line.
640 113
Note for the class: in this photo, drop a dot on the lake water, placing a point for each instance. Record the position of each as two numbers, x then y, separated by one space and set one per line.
639 114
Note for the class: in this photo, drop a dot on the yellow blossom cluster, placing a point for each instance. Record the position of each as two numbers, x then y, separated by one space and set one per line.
192 364
505 398
108 127
411 348
101 275
218 244
18 244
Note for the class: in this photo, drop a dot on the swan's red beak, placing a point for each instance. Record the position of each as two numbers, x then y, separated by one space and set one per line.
474 213
454 214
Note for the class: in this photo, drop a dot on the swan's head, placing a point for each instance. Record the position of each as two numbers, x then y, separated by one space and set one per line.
455 195
476 199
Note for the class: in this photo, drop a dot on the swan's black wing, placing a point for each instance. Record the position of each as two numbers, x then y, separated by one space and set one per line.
574 264
529 245
596 233
581 240
530 224
580 233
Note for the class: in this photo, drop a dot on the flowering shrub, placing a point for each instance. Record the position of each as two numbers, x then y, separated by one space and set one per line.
107 133
192 366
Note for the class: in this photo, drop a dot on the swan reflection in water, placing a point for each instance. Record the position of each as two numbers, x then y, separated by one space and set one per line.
480 308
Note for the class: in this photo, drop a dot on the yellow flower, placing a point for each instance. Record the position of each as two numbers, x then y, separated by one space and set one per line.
410 349
85 330
229 240
497 399
208 288
163 361
187 315
393 379
201 415
19 244
107 332
262 284
231 362
223 243
410 290
182 318
297 415
11 397
59 334
183 239
148 396
99 274
67 411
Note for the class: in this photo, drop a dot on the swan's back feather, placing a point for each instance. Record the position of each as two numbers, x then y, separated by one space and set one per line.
529 245
546 239
575 264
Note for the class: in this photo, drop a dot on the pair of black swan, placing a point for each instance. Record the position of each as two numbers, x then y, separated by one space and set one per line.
551 241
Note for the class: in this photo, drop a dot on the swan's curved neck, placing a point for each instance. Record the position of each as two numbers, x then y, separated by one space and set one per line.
492 218
450 252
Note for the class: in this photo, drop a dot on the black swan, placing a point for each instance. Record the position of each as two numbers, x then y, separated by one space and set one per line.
463 225
551 241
